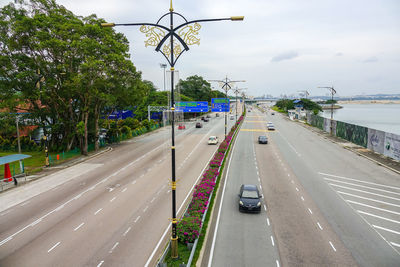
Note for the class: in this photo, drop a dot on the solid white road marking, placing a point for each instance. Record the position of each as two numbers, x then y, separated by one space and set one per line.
386 229
395 244
332 246
168 227
79 226
36 222
137 219
220 208
320 227
127 231
53 247
360 181
363 191
5 241
309 210
100 263
4 213
23 204
111 200
272 240
370 199
98 211
115 245
372 207
376 216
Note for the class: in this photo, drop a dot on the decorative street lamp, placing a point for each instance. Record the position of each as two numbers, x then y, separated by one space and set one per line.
333 91
226 85
179 38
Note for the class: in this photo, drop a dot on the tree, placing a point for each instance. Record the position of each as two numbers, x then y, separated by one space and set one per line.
79 67
196 88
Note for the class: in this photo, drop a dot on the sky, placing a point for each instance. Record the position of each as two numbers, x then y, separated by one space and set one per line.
282 47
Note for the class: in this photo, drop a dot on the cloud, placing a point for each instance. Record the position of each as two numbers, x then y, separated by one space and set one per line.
284 56
371 60
339 54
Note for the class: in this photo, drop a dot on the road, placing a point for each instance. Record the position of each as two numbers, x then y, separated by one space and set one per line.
324 205
111 210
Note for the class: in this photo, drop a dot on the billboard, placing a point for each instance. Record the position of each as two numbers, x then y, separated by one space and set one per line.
192 106
220 104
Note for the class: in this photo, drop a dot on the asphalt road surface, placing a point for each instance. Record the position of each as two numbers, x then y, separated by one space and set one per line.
111 210
324 205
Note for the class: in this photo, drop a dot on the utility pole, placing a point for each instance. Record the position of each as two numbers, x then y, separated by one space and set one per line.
333 91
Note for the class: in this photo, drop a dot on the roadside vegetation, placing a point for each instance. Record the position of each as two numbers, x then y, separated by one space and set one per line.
284 105
65 74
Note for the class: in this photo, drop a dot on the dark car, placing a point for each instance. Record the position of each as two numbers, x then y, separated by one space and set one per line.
249 198
217 115
202 118
199 125
208 116
273 113
206 119
262 139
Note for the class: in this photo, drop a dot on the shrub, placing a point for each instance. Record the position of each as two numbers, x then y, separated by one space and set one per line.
188 229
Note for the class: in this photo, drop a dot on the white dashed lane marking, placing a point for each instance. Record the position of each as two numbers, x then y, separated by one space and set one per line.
79 226
53 247
98 211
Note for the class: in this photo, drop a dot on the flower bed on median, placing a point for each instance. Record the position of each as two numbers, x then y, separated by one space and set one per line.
188 228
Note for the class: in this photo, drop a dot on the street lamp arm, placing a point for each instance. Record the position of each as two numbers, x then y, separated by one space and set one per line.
109 25
235 18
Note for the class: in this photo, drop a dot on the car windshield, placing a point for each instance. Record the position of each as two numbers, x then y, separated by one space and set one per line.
249 194
212 138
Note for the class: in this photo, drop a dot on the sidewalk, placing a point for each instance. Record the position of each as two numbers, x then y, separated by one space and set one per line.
379 159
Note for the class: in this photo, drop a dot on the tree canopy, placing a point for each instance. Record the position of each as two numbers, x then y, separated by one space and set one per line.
65 67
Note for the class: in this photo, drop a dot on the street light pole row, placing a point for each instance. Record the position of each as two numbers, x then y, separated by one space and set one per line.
181 35
226 85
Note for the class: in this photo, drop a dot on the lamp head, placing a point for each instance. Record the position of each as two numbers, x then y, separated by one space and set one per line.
107 25
234 18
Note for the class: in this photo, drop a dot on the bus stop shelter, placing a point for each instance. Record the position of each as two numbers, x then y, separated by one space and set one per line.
6 160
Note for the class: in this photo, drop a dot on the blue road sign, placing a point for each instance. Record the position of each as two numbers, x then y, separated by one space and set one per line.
220 104
192 106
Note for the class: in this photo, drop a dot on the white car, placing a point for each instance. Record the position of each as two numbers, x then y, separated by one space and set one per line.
213 140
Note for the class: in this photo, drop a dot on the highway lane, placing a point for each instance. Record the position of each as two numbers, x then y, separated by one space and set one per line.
84 216
359 199
242 239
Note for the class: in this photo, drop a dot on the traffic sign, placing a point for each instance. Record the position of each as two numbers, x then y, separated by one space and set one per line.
192 106
220 104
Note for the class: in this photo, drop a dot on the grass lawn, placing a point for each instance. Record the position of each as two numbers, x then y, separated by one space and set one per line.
32 165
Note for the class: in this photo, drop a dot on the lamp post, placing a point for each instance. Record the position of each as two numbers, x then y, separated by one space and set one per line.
163 65
38 85
237 91
333 91
226 85
171 42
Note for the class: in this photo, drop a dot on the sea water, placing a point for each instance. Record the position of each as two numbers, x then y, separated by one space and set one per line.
384 117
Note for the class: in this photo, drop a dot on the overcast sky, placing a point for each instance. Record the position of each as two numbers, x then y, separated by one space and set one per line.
281 47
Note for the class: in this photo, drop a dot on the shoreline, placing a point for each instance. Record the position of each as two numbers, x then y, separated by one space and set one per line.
368 102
